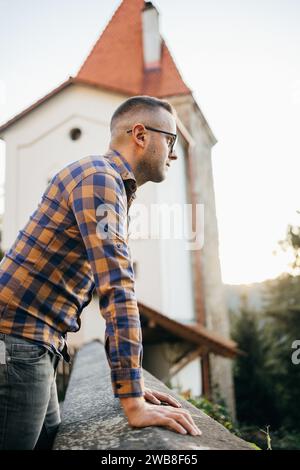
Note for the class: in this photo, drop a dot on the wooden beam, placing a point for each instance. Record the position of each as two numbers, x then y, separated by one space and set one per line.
205 370
184 360
196 333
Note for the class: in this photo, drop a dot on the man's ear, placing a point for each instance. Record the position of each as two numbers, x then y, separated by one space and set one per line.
139 133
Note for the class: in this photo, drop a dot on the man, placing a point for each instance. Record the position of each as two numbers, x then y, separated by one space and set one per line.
65 251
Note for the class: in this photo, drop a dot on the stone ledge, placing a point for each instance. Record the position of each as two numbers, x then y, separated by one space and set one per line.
92 418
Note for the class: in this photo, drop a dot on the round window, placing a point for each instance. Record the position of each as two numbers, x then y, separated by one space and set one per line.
75 133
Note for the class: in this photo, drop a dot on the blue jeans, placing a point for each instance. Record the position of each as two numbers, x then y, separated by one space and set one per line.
29 409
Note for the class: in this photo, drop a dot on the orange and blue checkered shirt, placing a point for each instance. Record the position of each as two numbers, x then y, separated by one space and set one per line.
61 255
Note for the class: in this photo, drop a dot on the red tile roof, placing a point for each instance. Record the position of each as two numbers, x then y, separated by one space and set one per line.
116 60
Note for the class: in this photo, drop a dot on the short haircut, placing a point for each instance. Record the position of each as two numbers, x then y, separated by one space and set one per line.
137 103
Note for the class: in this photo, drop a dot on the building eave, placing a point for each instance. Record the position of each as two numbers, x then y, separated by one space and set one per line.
70 81
35 105
193 333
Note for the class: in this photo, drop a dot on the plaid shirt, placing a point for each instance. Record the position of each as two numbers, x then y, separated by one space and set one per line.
48 275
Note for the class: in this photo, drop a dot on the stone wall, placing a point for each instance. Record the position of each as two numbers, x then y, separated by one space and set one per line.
92 418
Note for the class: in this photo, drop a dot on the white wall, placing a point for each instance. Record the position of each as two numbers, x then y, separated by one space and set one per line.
189 378
175 259
158 358
39 145
164 274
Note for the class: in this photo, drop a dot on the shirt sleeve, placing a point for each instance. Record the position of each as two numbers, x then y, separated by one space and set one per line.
100 208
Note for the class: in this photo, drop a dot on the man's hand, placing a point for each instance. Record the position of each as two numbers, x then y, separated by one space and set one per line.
141 414
156 398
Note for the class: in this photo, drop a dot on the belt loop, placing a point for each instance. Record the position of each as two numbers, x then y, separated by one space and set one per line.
2 352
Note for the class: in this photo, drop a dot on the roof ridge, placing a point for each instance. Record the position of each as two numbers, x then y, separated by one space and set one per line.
94 46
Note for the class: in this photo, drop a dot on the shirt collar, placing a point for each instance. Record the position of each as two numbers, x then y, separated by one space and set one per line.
122 166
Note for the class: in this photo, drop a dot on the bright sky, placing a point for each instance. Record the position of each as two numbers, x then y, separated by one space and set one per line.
242 61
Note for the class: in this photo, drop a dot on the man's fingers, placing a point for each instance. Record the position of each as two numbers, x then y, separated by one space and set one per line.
171 401
168 399
189 417
186 416
191 427
152 398
173 425
185 422
150 415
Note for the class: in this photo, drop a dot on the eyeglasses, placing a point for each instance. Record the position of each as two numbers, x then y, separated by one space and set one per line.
171 143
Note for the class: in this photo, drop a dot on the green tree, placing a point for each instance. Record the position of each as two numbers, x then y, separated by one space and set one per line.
283 329
255 401
292 242
267 381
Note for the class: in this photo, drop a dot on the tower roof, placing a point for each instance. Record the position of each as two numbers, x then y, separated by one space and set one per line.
117 61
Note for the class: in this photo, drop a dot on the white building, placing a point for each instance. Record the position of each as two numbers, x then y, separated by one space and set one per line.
182 305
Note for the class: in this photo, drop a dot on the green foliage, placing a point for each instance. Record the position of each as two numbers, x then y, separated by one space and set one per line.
255 436
285 439
255 447
253 388
281 439
258 438
217 411
266 380
292 242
